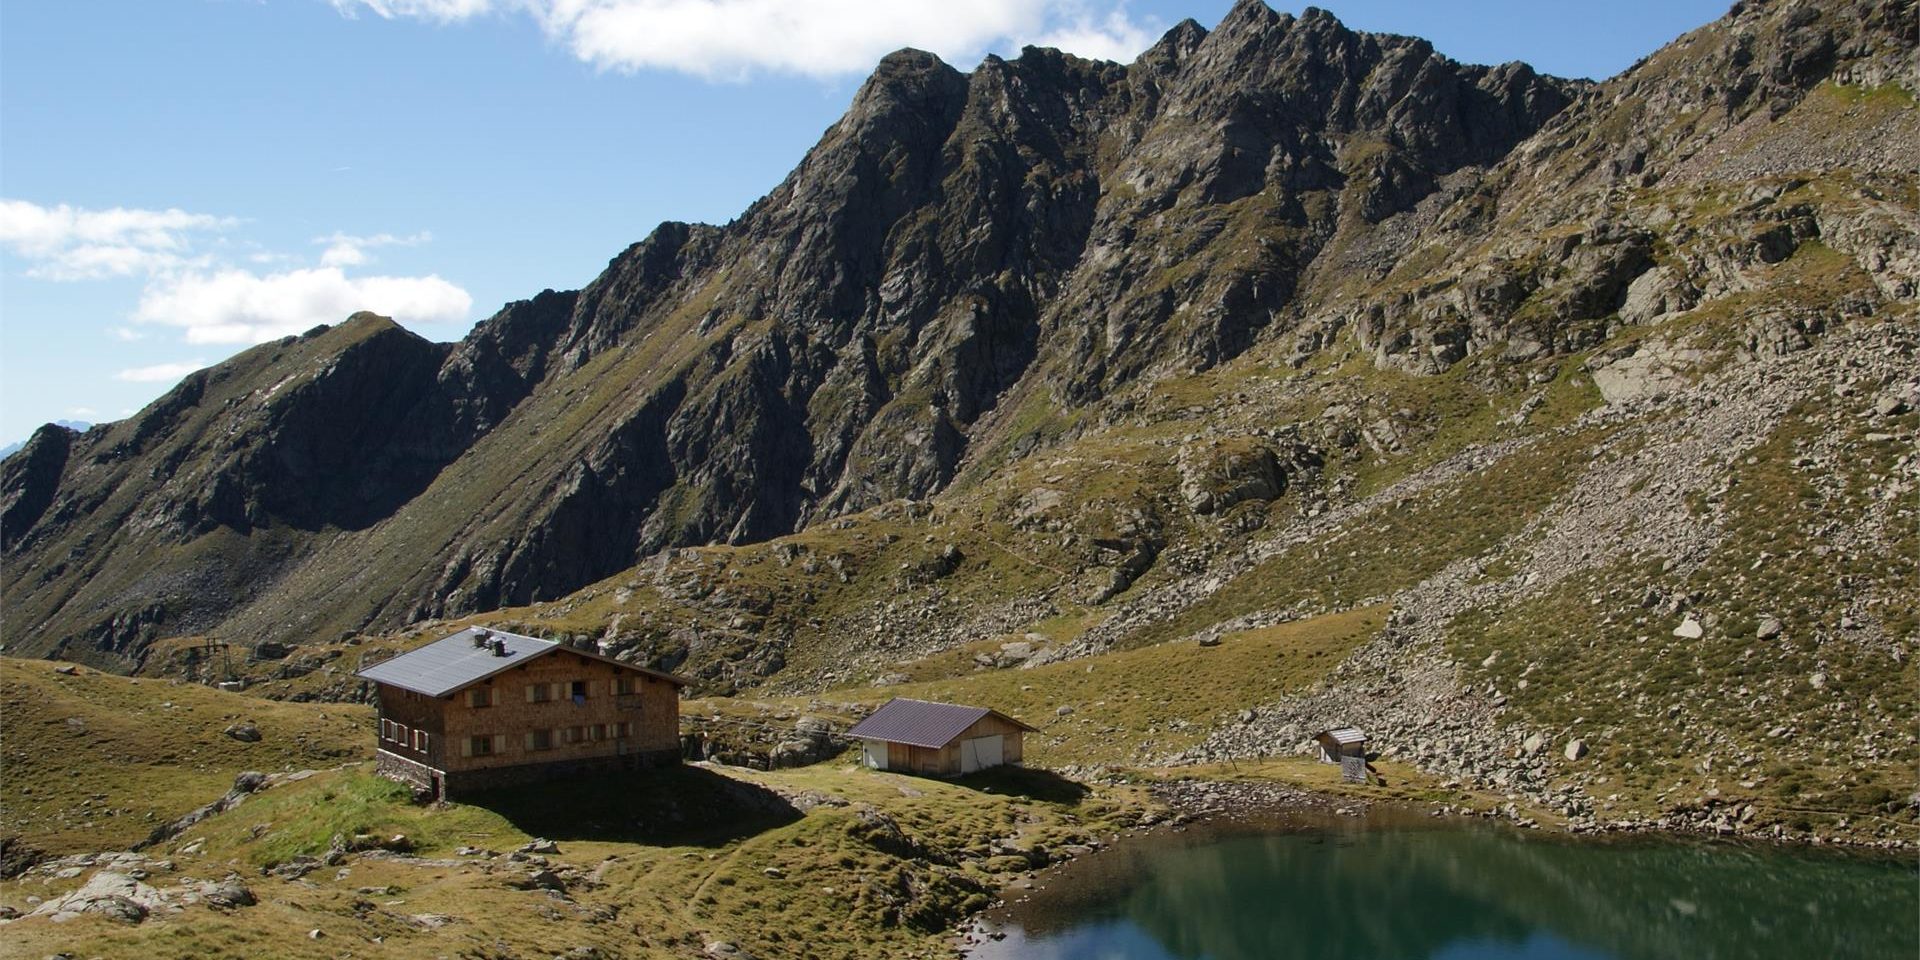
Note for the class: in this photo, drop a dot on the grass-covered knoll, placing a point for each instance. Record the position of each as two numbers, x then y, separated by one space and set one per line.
829 862
1126 707
1800 695
95 761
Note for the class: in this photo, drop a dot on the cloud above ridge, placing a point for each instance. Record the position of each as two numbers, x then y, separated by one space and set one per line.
734 39
239 306
197 292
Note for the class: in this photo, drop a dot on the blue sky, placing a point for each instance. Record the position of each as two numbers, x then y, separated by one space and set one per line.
180 179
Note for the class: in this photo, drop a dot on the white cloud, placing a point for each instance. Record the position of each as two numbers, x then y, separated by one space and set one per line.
346 250
68 243
159 372
1115 37
238 306
83 413
730 39
445 11
203 295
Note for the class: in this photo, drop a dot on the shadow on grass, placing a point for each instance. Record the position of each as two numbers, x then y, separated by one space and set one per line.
1044 786
672 806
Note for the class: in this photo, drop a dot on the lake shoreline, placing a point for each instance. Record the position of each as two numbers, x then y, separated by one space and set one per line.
1227 806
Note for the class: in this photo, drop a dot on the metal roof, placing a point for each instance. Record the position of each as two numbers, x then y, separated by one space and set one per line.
447 664
921 723
1343 735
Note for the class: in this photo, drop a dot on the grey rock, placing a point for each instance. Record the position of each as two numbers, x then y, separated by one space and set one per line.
230 893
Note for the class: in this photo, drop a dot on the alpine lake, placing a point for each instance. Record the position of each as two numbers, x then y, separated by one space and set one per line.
1396 885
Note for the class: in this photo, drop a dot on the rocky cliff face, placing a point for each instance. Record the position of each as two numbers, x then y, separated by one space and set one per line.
970 270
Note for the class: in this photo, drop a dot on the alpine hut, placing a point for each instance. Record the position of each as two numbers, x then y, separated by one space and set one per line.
486 708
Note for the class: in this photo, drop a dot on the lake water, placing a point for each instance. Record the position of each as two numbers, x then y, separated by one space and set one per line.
1388 888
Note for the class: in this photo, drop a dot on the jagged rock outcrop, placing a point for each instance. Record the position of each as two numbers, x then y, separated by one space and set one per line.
966 269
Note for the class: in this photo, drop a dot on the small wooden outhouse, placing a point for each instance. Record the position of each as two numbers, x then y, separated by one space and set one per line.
938 739
1341 742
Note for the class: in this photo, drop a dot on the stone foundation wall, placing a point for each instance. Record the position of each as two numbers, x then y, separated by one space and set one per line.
412 772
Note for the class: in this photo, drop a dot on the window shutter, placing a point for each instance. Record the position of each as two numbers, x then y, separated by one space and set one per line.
530 693
499 743
493 696
466 748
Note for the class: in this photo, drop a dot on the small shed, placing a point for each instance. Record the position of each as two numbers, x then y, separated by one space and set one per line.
938 739
1341 742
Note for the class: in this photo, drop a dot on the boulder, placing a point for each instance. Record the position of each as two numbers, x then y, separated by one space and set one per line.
1576 749
229 893
245 732
111 894
1689 629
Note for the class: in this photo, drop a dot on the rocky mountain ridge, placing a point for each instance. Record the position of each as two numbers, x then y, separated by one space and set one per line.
952 242
1606 390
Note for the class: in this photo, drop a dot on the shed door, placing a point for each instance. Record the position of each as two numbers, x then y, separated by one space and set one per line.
874 754
979 753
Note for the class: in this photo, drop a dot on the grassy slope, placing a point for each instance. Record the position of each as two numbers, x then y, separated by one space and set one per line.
1135 704
676 859
95 761
1731 715
827 861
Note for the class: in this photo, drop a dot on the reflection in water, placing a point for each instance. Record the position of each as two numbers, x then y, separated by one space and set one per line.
1387 892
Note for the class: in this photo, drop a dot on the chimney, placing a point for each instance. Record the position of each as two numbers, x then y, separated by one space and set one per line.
499 648
479 639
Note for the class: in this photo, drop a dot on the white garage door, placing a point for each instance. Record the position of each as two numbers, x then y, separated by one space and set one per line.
980 752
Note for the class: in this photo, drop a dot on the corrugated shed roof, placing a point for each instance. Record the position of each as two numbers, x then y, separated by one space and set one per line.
1343 735
446 665
922 723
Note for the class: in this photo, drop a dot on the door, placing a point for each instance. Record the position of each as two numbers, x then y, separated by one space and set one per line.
980 753
874 754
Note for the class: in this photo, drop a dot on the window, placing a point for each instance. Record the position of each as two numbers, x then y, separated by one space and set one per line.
479 746
540 740
574 734
626 685
481 697
420 740
578 692
623 730
597 732
393 731
539 692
